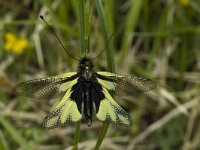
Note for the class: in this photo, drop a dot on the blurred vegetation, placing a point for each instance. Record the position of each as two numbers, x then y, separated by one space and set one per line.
153 39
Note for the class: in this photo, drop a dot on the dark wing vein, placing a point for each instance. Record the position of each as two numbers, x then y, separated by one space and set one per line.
127 85
44 88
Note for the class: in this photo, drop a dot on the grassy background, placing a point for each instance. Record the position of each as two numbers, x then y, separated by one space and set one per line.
154 39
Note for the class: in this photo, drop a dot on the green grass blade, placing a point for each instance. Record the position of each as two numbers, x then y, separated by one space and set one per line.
88 14
76 136
110 63
157 42
131 22
3 143
102 135
109 13
84 38
82 27
14 133
109 50
83 53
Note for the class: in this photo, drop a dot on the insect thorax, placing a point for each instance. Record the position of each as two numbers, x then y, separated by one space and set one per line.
86 68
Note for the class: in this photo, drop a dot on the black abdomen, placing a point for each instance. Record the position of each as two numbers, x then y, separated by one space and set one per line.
87 100
87 96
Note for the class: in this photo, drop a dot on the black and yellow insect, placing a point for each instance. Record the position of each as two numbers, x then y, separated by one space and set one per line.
84 94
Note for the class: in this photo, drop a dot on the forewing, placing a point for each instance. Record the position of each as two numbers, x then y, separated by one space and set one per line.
124 85
110 112
45 88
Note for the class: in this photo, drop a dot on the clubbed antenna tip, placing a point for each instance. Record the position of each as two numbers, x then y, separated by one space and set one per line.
41 17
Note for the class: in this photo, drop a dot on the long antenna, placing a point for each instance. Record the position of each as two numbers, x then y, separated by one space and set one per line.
52 30
104 47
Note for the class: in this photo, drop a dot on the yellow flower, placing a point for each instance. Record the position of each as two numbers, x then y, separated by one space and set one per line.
185 2
21 44
10 41
14 44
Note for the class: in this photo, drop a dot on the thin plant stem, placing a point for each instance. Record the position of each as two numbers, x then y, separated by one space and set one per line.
82 28
109 50
76 136
110 64
101 137
88 14
83 52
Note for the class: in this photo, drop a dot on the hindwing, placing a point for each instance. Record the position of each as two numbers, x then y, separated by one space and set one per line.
64 112
110 112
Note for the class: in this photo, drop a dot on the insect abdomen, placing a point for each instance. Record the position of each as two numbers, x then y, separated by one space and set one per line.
87 100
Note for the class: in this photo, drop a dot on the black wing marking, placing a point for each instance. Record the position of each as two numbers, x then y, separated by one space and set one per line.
125 85
45 88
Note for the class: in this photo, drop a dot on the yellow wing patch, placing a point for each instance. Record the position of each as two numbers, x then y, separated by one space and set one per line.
63 113
66 114
110 112
70 112
108 85
66 75
64 87
50 123
67 85
105 110
104 73
62 102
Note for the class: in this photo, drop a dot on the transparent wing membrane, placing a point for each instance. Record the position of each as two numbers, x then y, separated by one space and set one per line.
125 85
45 88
